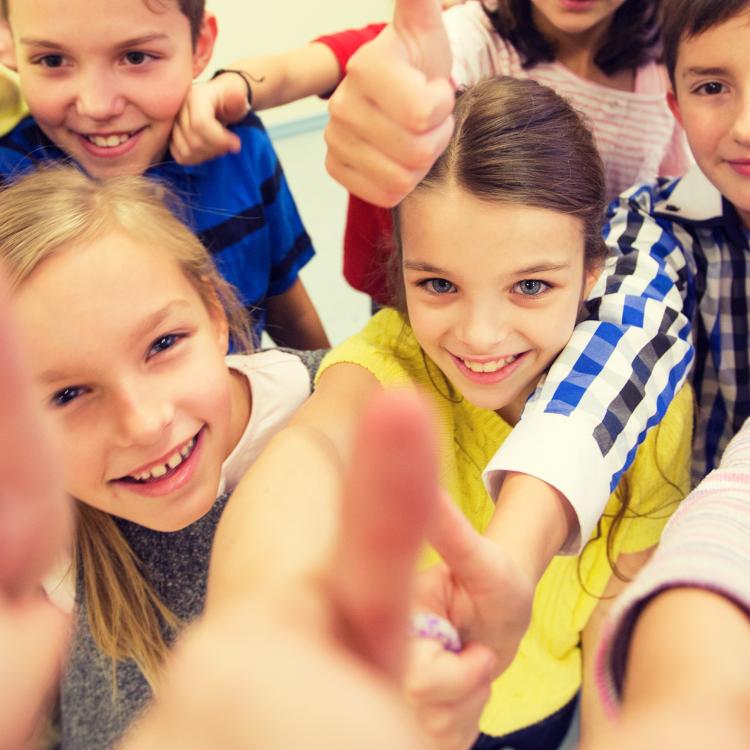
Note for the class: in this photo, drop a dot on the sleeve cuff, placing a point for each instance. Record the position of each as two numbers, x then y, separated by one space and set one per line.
563 453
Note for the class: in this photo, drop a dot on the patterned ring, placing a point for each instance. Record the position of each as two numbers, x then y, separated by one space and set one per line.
430 625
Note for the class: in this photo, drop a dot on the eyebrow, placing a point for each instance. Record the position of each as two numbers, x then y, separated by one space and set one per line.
541 267
146 326
697 70
134 42
154 320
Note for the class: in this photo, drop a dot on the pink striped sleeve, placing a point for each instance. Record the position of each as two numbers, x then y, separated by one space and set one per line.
705 545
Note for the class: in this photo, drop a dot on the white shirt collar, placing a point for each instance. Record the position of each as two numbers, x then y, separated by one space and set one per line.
695 198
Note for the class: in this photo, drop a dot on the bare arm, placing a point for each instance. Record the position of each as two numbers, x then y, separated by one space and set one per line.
293 321
282 520
200 134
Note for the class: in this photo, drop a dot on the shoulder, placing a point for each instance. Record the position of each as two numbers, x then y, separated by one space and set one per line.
664 456
275 372
385 346
24 147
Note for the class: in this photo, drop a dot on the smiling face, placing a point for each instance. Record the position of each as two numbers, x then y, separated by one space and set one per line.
573 17
492 290
129 365
712 101
106 80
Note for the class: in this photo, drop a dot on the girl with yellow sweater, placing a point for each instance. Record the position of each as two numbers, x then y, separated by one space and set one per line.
499 247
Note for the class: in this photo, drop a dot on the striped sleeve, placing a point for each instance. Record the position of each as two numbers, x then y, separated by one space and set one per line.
705 545
617 375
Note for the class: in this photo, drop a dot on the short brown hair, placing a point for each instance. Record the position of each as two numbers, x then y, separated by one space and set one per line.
683 19
631 41
194 10
516 141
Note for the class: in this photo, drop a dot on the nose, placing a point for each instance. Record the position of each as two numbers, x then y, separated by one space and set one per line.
99 97
142 418
483 328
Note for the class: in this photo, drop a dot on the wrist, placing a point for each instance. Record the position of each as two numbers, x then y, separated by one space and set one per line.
235 80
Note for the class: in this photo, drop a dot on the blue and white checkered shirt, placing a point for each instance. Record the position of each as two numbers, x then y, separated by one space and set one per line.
619 372
698 233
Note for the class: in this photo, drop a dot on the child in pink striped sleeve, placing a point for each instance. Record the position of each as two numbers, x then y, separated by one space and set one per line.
676 648
601 56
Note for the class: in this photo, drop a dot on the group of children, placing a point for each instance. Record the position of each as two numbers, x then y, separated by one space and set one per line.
146 222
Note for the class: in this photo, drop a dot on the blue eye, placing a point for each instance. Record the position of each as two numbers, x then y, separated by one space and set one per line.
531 287
163 343
66 395
438 286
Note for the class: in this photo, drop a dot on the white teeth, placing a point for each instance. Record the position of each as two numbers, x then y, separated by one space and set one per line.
185 452
172 463
108 141
492 366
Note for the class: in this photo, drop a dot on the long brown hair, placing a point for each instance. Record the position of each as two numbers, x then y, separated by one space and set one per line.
632 39
42 214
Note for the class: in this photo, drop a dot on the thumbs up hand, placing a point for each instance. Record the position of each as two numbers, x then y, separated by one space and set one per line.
391 116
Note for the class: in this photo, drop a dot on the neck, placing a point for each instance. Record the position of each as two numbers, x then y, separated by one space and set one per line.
578 51
512 411
242 404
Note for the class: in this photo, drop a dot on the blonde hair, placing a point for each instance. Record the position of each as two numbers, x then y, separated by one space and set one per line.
47 212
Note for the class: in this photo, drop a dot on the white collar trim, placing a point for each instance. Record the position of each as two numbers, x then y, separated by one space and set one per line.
694 198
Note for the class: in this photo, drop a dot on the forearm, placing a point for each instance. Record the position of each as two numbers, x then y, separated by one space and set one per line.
279 79
690 650
531 521
293 321
282 519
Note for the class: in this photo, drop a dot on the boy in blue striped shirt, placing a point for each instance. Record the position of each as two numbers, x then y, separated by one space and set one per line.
104 82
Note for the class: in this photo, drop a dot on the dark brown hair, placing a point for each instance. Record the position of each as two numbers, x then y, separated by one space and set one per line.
193 9
516 141
683 19
631 41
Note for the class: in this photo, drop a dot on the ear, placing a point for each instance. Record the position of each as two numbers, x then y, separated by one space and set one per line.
7 49
204 44
590 277
674 105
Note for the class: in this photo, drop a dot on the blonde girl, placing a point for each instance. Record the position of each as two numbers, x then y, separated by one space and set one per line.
127 324
498 248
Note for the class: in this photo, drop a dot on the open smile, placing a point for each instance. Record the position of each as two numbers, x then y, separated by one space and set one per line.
109 144
169 472
488 371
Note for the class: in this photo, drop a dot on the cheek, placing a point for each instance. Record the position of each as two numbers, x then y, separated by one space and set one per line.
48 104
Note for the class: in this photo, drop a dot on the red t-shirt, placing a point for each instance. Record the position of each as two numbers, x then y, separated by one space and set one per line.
368 237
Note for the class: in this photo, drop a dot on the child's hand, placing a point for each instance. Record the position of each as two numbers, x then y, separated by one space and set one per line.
35 523
478 589
448 690
391 115
199 133
318 663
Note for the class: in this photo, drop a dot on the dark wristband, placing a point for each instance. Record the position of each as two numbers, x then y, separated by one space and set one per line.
244 76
